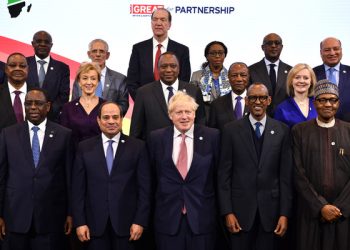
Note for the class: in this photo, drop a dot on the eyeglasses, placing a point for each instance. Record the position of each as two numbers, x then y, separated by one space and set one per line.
216 53
270 43
325 100
35 103
253 98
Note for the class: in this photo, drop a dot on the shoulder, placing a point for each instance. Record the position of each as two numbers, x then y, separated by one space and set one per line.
344 67
147 87
318 68
303 126
143 44
59 63
57 127
114 73
277 123
178 45
206 130
256 65
285 65
132 141
30 59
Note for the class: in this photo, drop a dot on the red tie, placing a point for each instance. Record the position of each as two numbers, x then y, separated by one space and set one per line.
182 162
156 73
17 106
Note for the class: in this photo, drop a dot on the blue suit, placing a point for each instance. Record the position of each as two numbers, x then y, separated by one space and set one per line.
344 88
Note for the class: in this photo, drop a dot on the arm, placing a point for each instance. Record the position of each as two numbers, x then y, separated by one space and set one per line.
3 173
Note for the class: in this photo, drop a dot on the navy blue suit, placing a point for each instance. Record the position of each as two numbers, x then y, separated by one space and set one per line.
7 115
140 71
122 197
344 89
197 191
56 83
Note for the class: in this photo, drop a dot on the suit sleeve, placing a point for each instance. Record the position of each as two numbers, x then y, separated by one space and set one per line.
138 119
3 171
133 78
185 66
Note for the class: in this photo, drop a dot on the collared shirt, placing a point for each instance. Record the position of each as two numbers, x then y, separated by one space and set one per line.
105 143
325 125
267 62
234 101
22 96
189 145
162 49
38 65
103 77
41 132
262 121
336 73
175 86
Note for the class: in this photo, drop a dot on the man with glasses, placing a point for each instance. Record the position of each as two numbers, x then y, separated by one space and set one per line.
322 175
255 176
271 70
336 72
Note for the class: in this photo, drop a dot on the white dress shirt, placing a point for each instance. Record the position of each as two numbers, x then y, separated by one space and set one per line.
234 101
46 65
22 96
105 143
41 132
262 121
175 86
162 49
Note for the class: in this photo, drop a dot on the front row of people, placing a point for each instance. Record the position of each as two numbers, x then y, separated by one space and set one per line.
118 184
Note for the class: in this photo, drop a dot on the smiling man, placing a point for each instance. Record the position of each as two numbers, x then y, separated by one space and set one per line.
255 176
322 175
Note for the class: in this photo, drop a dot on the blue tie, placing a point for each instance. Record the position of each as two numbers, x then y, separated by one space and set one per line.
331 75
35 146
110 156
98 91
257 129
41 73
171 93
238 107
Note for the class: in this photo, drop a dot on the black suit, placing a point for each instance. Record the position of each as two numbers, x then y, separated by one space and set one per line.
258 73
222 112
150 110
56 83
250 186
2 72
7 115
140 71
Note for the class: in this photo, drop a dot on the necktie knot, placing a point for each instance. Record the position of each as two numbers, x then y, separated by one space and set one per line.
17 92
42 62
159 46
272 66
110 142
257 129
171 92
238 98
35 129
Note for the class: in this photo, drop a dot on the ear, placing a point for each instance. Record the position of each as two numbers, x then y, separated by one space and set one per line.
107 55
269 101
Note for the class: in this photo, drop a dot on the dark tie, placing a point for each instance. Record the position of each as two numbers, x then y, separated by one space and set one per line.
98 91
156 73
238 107
257 129
331 75
35 146
41 72
273 77
171 93
110 156
17 106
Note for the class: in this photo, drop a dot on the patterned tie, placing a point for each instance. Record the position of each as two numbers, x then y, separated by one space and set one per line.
182 162
41 72
110 156
156 73
238 107
17 106
273 77
35 146
98 91
257 129
171 93
331 75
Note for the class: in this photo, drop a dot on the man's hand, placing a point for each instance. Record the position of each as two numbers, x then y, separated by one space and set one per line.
2 228
83 233
282 226
135 232
330 213
232 224
68 225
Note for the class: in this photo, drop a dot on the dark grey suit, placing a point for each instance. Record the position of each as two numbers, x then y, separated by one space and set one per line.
7 115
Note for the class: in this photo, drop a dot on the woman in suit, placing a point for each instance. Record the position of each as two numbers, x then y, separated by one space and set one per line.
299 106
80 114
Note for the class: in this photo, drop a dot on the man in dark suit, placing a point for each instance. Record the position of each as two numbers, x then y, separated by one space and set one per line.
12 92
2 72
232 106
184 157
143 59
35 170
334 71
275 80
48 73
150 109
112 86
255 176
111 185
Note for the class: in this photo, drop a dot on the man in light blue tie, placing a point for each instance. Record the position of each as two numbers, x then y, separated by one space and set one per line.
35 167
336 72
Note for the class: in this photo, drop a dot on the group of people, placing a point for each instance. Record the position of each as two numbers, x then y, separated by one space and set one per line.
249 157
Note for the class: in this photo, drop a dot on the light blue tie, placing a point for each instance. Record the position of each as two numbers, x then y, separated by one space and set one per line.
35 146
331 75
41 73
109 156
98 91
257 129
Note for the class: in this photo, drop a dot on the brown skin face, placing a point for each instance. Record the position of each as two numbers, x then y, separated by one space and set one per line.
168 68
331 51
16 70
238 76
272 47
216 57
326 111
99 54
36 107
258 108
111 121
42 44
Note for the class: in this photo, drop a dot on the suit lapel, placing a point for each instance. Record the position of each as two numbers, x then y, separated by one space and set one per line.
228 107
168 143
265 75
269 133
343 77
281 75
49 137
33 72
119 154
25 142
159 95
247 138
148 57
107 84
